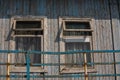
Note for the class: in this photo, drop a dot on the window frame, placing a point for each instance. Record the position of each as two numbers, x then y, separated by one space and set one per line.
63 39
43 42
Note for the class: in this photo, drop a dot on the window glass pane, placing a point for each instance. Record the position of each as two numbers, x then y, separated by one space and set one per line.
27 32
77 25
28 24
28 43
77 33
77 59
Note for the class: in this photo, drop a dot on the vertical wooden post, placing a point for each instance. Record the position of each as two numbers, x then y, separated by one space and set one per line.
85 66
8 67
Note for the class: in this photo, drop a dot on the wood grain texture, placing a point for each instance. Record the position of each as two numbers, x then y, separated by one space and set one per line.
106 29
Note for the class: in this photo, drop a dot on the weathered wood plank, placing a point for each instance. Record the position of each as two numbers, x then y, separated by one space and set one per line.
116 30
52 9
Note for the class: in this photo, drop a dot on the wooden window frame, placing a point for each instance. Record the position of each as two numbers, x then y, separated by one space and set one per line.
64 39
43 37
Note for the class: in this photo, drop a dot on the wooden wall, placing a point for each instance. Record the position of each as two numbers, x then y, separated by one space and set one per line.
106 15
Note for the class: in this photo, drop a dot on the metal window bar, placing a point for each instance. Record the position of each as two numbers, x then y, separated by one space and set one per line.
28 76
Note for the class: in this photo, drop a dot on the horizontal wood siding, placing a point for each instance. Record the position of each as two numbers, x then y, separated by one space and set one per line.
106 29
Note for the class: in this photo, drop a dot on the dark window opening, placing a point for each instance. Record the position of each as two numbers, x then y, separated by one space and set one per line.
27 32
77 25
77 29
77 33
28 28
28 24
